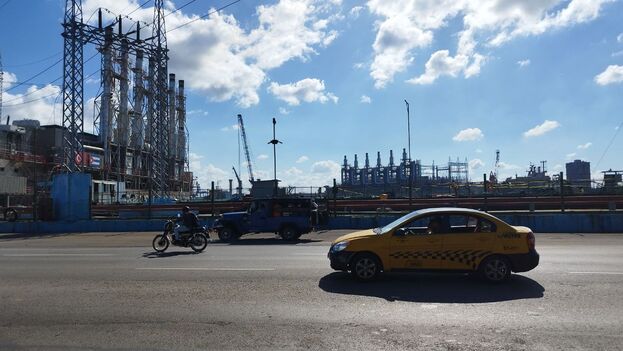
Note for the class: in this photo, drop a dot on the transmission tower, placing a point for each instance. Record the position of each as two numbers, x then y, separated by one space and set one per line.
73 94
158 123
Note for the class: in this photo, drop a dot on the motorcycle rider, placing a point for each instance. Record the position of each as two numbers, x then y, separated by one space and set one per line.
189 222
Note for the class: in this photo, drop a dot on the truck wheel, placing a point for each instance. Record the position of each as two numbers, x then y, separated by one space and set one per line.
289 233
227 234
10 215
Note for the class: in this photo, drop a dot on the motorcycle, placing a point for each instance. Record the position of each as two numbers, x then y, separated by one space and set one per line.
196 239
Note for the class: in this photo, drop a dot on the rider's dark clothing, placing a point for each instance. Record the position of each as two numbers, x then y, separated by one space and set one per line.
190 220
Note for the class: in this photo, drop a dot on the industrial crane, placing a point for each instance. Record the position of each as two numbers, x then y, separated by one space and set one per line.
247 154
239 188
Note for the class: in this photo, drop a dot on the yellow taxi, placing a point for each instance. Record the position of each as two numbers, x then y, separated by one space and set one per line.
438 239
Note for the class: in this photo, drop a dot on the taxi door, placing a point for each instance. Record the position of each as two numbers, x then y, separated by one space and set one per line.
469 241
412 247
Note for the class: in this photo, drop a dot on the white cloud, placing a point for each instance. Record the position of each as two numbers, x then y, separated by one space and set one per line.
407 25
571 155
523 63
617 53
229 128
365 99
359 65
206 173
475 164
329 168
612 75
42 103
478 151
620 38
223 61
469 134
307 90
508 166
284 111
541 129
585 146
262 157
355 11
302 159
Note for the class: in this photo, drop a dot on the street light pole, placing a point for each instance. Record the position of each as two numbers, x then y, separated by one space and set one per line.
410 165
275 142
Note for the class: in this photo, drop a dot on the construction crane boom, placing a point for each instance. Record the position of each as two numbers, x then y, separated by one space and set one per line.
247 154
239 188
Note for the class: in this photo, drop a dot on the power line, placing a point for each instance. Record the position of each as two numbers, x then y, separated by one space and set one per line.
46 84
5 3
36 75
35 62
41 97
138 8
204 16
609 144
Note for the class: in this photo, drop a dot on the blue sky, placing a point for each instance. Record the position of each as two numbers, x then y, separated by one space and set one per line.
538 80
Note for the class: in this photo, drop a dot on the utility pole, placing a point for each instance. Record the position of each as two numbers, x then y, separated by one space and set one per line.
275 142
410 165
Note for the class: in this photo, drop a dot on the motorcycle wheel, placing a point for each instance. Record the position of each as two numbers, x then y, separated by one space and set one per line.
198 242
160 243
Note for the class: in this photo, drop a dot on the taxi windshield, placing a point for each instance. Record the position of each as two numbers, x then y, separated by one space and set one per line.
392 225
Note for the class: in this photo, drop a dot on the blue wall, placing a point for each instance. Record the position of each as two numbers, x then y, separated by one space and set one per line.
569 222
71 194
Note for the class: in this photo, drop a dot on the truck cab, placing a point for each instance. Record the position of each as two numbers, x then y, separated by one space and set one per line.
288 217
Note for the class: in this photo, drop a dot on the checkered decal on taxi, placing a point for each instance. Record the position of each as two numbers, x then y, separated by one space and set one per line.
468 257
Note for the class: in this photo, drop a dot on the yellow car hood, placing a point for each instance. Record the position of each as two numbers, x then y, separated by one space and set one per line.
522 229
355 235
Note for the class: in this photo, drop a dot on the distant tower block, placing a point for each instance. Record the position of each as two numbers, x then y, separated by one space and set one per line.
378 159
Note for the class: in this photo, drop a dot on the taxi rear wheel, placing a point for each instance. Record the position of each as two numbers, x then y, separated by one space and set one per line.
495 269
365 267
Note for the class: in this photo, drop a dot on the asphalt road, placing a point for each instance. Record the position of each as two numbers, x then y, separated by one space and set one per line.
110 291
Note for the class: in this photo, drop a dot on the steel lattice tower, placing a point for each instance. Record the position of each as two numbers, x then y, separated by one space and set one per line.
158 124
73 94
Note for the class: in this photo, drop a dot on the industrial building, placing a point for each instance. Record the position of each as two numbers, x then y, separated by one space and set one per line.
393 179
579 174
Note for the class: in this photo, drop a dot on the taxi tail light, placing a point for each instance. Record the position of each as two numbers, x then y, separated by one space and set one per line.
531 240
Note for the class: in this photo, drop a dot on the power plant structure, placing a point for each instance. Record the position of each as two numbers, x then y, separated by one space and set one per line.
393 179
140 141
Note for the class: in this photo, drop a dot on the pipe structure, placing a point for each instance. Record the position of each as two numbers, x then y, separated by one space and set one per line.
171 129
106 110
150 102
123 120
137 136
181 126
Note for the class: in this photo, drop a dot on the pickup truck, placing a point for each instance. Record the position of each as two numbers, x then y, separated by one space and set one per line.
288 217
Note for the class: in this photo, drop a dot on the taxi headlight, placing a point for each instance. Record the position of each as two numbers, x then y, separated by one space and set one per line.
339 246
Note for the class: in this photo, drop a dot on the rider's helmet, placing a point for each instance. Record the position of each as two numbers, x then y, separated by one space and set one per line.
185 209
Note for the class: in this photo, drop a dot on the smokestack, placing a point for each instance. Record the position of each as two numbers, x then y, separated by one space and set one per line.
172 120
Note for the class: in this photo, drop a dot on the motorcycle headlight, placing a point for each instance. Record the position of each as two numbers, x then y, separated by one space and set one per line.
339 246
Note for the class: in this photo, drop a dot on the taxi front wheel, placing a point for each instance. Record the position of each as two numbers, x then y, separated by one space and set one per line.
365 267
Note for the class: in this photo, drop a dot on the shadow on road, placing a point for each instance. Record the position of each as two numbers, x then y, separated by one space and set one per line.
268 241
169 254
441 288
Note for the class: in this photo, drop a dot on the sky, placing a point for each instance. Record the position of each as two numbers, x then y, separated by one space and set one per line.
535 79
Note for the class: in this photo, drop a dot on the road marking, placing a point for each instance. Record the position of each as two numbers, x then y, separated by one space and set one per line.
609 273
55 255
203 269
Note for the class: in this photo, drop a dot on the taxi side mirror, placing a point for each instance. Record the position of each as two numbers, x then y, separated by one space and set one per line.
400 232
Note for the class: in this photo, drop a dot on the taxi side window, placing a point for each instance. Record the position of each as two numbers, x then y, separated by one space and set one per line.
470 224
434 224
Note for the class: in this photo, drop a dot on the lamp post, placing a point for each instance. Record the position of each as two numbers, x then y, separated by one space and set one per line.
410 166
275 142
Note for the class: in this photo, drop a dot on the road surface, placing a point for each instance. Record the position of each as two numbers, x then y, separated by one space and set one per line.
111 292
